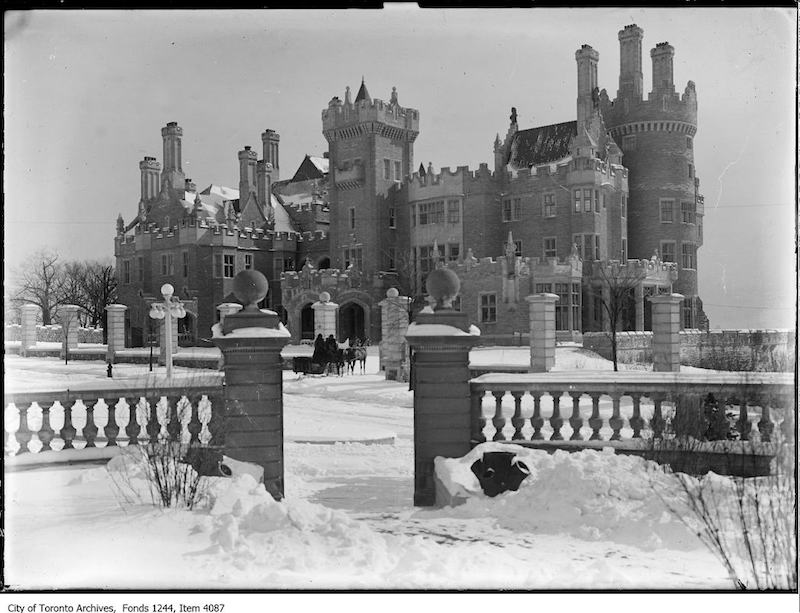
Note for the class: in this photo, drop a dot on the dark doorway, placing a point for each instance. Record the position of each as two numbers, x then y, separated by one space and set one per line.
307 323
324 263
351 322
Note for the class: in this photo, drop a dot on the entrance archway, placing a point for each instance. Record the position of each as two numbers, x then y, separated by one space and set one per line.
324 263
307 322
351 322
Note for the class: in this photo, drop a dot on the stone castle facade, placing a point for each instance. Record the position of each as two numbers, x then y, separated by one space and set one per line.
614 188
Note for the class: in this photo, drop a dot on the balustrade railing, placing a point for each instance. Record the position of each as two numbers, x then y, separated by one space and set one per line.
584 410
62 420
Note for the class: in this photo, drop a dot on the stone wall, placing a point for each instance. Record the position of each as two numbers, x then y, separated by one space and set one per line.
735 350
54 334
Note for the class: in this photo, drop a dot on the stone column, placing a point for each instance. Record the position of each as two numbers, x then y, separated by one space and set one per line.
638 293
666 332
441 340
251 343
115 322
394 324
325 316
27 337
542 310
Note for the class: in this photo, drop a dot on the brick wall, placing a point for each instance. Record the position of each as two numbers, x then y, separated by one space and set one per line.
54 334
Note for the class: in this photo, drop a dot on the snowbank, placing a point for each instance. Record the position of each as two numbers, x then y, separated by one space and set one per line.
589 495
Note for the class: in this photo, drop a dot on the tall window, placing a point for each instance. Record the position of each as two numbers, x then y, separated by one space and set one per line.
516 211
624 205
688 255
352 217
625 249
587 200
549 206
392 220
518 248
126 271
575 305
562 306
686 308
355 257
596 201
428 258
228 265
597 247
248 261
185 256
488 308
687 211
544 288
453 211
506 210
666 206
688 142
398 171
691 170
549 247
413 215
577 207
387 170
167 267
668 251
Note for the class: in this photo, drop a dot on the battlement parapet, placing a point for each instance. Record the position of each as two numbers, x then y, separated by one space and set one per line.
316 235
310 279
340 115
523 266
660 106
447 177
652 270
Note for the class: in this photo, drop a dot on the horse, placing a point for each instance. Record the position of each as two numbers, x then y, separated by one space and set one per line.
355 354
335 358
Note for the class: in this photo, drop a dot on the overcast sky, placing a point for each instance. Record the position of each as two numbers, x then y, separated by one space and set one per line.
86 94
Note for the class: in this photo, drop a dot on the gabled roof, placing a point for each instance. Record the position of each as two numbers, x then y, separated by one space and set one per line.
311 168
542 145
214 197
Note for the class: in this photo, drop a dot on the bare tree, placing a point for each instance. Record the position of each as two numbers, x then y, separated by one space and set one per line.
39 281
71 285
99 286
615 294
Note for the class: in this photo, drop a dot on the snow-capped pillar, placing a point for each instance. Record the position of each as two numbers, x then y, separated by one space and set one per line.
325 313
394 325
542 310
227 308
69 326
28 314
441 339
115 322
251 343
666 332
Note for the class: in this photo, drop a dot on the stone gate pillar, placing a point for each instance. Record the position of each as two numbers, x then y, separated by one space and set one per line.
666 332
394 324
441 340
542 310
27 337
251 343
115 322
325 316
227 308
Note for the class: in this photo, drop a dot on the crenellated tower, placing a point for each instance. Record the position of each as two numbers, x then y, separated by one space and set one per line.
371 151
665 208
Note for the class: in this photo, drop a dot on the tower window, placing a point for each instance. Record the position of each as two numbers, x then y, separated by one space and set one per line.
691 171
453 211
666 207
687 211
516 213
392 220
549 206
453 252
667 251
688 255
518 248
228 265
488 308
587 200
352 217
387 170
577 201
624 206
398 171
126 271
248 261
512 209
688 142
549 247
596 202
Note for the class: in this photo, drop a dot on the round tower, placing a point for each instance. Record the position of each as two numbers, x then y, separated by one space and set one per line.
656 135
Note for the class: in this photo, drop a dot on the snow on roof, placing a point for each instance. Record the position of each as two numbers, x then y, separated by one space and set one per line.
321 163
283 223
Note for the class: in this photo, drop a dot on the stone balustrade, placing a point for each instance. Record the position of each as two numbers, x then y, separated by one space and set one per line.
108 418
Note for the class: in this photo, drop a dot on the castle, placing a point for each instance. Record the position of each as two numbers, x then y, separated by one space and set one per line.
566 206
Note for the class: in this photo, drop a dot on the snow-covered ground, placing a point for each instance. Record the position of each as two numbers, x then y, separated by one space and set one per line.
587 520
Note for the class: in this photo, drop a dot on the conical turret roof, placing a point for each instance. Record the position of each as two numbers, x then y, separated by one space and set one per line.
363 94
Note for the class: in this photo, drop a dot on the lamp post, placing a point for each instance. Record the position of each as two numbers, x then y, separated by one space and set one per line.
171 307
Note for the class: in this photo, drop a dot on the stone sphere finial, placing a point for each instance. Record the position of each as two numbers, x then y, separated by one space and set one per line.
167 291
251 287
392 292
324 297
442 285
